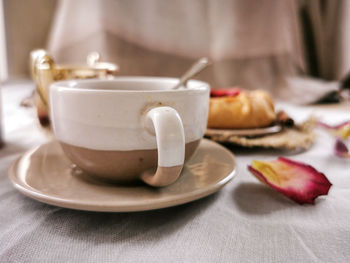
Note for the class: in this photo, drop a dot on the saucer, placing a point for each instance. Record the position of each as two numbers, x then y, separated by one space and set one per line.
244 132
45 174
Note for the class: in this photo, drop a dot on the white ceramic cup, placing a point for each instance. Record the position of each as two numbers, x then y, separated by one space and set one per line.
122 129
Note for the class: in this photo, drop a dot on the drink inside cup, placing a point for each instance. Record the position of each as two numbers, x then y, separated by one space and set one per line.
125 129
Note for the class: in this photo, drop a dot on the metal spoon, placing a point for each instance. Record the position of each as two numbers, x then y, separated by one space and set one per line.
193 70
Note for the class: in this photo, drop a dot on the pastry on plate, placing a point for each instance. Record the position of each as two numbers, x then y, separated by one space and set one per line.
237 109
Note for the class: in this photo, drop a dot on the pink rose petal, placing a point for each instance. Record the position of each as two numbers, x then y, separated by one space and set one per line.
340 149
298 181
332 127
342 129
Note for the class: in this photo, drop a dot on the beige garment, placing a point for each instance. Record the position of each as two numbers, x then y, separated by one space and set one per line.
335 36
252 43
27 25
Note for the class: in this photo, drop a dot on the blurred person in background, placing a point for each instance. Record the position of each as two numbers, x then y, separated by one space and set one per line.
254 44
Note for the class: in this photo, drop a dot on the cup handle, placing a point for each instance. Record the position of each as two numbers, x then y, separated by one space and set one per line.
170 137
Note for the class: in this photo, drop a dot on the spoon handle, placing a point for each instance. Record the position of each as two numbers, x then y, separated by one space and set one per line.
194 70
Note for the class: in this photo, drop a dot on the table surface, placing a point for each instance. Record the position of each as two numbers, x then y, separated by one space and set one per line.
244 222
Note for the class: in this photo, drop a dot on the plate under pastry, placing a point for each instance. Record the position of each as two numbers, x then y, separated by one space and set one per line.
244 132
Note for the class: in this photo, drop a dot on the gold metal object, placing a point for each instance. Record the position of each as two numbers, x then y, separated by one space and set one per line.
45 71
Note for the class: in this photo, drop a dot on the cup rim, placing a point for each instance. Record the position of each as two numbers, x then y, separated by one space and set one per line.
73 85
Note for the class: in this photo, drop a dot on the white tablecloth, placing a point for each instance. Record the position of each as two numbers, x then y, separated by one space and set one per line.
244 222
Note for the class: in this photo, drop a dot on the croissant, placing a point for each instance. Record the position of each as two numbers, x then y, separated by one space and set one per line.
243 110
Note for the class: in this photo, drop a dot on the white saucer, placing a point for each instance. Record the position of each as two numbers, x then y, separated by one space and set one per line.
244 132
45 174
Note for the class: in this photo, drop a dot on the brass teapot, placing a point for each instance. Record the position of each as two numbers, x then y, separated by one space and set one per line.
45 71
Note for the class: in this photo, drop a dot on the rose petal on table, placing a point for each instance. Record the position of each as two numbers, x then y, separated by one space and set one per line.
333 127
340 149
341 130
344 131
231 92
298 181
